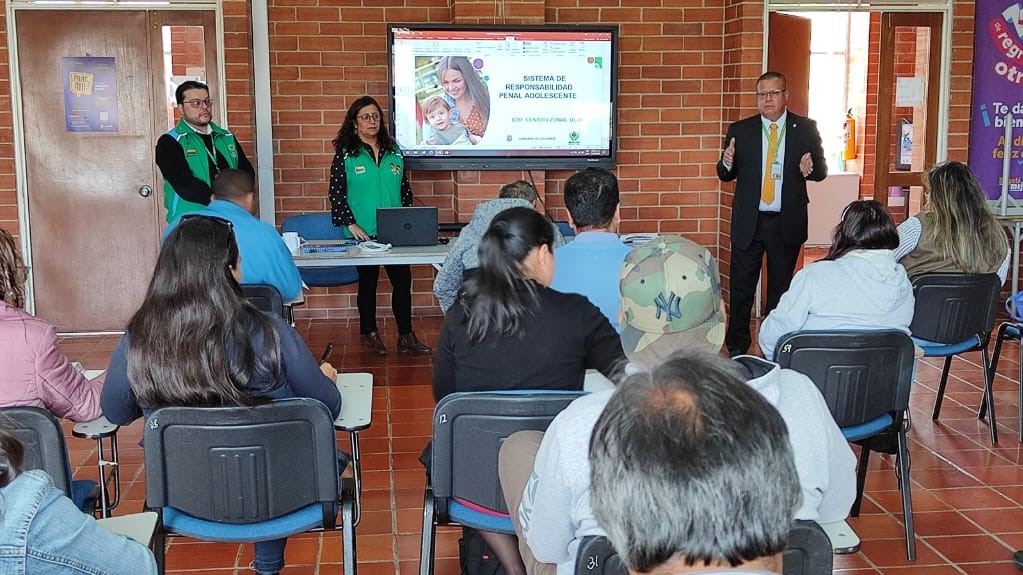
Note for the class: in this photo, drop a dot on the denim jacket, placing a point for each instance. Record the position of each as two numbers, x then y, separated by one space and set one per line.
41 531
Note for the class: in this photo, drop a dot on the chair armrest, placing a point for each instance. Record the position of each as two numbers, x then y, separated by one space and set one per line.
138 526
843 538
356 401
96 429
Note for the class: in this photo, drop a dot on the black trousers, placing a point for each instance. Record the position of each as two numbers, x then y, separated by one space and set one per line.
401 297
745 272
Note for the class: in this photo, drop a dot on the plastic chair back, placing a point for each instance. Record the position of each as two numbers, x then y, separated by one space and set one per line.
953 307
808 551
265 297
318 226
596 556
861 374
242 464
40 434
468 430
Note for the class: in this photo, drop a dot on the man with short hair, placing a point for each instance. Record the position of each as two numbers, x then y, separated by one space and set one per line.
671 301
589 264
192 153
770 156
692 471
462 259
264 257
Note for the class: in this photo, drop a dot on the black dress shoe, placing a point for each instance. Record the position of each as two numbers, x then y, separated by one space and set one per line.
409 343
1017 559
373 343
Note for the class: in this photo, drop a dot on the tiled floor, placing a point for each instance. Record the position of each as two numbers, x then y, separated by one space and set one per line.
967 495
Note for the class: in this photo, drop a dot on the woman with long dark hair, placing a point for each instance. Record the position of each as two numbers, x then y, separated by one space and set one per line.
35 372
197 341
956 231
858 285
509 330
368 172
49 533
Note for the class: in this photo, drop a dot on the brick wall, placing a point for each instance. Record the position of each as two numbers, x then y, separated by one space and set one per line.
686 71
8 189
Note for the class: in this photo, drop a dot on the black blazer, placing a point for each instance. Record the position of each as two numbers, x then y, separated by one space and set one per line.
801 136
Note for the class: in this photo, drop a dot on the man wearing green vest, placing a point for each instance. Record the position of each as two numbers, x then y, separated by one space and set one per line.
192 154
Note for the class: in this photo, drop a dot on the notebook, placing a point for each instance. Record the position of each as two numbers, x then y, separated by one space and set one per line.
407 226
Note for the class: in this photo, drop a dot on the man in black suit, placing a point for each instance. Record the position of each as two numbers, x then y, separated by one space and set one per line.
771 155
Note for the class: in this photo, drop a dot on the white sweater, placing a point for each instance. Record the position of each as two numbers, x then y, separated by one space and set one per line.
555 511
864 289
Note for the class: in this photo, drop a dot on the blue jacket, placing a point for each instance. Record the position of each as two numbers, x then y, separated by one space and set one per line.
41 531
265 258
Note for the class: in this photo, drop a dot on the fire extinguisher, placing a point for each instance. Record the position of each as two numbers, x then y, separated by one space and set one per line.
849 136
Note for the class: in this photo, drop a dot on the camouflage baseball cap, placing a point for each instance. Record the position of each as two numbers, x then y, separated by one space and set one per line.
671 300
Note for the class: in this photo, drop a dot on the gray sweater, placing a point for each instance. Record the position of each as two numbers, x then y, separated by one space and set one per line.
463 254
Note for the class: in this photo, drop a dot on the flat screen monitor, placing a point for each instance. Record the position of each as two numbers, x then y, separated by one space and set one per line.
503 97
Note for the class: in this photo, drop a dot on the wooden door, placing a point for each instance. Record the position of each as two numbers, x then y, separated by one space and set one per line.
94 204
907 105
788 52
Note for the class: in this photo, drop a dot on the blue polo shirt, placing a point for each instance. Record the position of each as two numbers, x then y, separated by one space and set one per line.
265 258
589 266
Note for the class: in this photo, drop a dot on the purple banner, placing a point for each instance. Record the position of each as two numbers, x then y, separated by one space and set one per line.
90 94
997 90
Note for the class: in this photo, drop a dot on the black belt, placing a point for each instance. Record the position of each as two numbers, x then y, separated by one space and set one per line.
771 214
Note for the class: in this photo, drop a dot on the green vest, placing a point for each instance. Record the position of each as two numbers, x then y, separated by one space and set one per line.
371 186
197 156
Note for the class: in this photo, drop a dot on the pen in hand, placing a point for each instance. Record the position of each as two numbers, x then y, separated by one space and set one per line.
326 352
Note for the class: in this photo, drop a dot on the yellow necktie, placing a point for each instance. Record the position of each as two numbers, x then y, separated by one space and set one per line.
767 192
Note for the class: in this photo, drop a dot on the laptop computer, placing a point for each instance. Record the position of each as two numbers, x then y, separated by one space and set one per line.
416 226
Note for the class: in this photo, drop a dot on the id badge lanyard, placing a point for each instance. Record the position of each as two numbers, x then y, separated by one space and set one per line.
773 150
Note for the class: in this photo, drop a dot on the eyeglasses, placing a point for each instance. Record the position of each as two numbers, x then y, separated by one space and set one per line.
770 95
369 117
218 219
197 103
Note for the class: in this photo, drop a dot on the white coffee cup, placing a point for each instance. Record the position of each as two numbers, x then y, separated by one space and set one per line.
292 240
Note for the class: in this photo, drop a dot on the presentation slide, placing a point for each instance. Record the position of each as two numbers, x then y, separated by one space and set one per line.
458 92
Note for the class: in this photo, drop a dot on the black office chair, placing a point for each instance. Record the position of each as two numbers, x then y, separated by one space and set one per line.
244 474
317 226
865 378
808 552
1009 331
954 314
40 433
468 430
266 298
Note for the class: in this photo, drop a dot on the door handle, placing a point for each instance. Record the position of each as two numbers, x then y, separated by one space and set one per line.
145 191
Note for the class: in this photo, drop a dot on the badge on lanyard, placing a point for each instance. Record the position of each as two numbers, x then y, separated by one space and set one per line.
776 171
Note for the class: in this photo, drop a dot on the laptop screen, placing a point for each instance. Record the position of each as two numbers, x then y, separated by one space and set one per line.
414 226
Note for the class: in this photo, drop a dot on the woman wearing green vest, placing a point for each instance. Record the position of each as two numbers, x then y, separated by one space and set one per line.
368 172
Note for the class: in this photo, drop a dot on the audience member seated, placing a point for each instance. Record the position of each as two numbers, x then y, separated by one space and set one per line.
858 285
715 491
509 330
196 341
462 259
35 372
589 264
956 231
41 530
555 512
267 260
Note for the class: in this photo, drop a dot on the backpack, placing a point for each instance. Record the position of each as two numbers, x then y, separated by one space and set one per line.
475 557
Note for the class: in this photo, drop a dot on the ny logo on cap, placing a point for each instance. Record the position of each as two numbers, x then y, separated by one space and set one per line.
670 306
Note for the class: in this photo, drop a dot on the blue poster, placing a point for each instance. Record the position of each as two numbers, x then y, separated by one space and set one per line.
90 93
